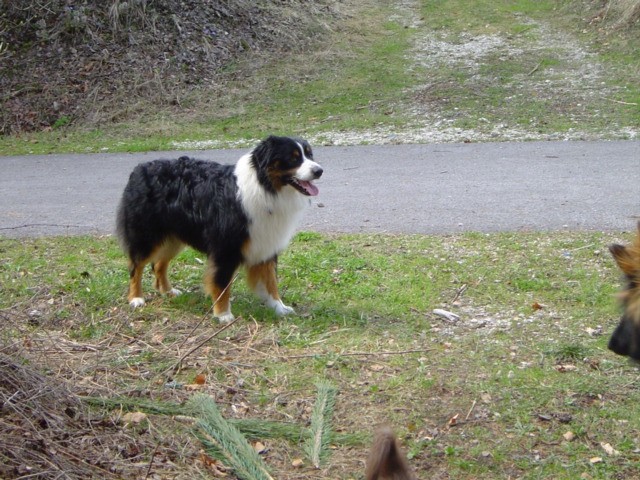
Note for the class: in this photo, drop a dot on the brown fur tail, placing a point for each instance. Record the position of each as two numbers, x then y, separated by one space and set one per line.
386 461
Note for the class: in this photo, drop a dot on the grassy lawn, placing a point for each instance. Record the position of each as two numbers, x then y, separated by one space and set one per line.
520 386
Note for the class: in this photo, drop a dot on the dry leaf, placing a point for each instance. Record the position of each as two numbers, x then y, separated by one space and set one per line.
193 387
134 417
297 463
569 436
240 408
609 449
376 367
595 460
213 465
453 421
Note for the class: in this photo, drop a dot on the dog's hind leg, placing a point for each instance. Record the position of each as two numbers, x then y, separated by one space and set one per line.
135 282
262 279
162 256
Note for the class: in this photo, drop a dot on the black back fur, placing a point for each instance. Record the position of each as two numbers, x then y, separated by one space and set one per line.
192 200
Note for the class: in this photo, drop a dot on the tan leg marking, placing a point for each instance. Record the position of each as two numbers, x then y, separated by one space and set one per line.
220 295
161 258
262 279
135 283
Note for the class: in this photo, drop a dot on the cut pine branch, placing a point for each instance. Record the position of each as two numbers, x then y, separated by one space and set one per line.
317 445
225 442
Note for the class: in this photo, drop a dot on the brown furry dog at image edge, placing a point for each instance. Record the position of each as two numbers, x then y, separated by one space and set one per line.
386 460
626 337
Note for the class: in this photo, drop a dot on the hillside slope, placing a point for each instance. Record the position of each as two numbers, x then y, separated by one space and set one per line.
97 61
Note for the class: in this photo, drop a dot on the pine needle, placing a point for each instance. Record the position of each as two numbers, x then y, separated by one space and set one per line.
317 445
225 442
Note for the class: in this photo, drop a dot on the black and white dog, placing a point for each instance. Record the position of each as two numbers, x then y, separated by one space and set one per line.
243 214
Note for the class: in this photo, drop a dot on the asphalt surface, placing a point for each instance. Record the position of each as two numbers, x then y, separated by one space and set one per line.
443 188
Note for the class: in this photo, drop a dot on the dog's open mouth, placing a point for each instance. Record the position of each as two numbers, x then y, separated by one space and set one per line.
304 187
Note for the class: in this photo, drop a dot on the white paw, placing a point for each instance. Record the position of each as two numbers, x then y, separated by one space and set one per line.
136 302
174 292
282 310
226 317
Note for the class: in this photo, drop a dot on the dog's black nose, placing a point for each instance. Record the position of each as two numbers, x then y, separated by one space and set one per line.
317 172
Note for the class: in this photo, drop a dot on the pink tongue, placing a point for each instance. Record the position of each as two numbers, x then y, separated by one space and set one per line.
310 188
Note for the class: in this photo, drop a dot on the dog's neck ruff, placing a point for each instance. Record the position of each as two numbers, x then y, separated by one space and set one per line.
273 217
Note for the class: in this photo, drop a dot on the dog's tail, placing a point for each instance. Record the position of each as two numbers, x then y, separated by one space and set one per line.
386 460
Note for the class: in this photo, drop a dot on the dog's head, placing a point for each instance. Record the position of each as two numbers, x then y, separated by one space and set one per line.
626 337
283 162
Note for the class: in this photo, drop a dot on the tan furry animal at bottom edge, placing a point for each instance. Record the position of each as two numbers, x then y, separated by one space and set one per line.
386 460
625 339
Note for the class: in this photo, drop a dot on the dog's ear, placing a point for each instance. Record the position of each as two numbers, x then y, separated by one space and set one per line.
623 258
264 151
628 258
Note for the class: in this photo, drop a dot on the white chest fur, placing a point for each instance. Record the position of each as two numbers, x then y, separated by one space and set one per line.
273 218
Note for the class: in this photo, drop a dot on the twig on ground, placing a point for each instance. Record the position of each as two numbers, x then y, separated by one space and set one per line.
153 456
176 367
632 104
534 69
354 354
473 405
197 325
459 292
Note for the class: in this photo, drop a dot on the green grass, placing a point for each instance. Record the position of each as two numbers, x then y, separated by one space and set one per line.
362 76
517 371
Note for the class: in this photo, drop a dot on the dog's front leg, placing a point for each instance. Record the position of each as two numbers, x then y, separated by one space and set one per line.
262 279
218 280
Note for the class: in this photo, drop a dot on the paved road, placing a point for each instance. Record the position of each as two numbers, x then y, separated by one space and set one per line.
443 188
